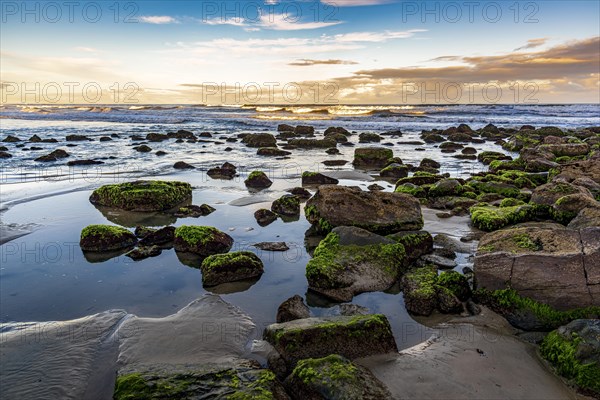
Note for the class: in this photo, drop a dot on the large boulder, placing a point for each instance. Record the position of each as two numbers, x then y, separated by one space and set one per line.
372 157
351 260
378 212
260 140
258 180
334 377
202 240
548 194
230 267
142 195
99 238
572 171
545 262
351 337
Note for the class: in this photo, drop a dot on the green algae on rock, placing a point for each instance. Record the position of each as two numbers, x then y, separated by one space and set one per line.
488 218
202 240
372 157
258 180
230 267
286 205
142 195
106 238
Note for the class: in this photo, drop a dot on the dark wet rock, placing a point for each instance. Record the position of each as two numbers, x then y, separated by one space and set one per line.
351 337
395 171
338 137
425 291
337 129
351 260
304 130
54 156
285 128
77 138
567 149
550 193
577 170
379 212
416 243
226 171
372 157
158 237
260 140
182 134
335 163
489 218
450 147
193 211
544 262
375 187
98 238
141 253
141 231
286 205
469 150
586 218
4 154
258 180
429 163
265 217
450 243
334 377
301 193
439 261
369 138
84 162
3 148
202 240
313 143
230 267
446 187
105 139
142 195
419 179
161 153
459 137
315 178
433 138
292 309
182 165
487 157
156 137
272 152
136 138
35 139
143 149
333 151
272 246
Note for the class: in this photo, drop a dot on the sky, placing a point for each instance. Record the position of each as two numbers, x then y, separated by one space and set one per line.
273 52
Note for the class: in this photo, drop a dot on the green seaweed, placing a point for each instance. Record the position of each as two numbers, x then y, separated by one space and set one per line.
103 231
194 235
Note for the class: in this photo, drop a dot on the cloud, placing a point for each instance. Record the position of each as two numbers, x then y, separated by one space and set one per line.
276 22
308 63
376 36
158 19
446 58
355 3
533 43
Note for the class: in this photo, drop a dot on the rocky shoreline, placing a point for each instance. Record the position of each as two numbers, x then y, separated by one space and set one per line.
535 277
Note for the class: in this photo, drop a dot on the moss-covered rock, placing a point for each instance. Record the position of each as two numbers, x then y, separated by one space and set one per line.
487 157
413 190
143 195
286 205
334 377
272 152
394 171
489 218
194 211
260 140
230 267
446 187
420 296
258 180
351 337
202 240
501 188
351 260
98 238
265 217
416 243
372 157
316 178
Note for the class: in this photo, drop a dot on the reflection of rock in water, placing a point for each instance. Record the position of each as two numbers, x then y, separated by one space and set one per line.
132 219
96 257
232 287
190 259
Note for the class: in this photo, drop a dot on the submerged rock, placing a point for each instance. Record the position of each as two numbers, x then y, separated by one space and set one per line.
84 162
202 240
292 309
272 246
265 217
230 267
143 195
194 211
379 212
144 252
99 238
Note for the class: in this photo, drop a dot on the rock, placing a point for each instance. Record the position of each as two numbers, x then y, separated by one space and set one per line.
379 212
292 309
54 156
4 154
420 178
335 163
429 163
337 129
202 240
141 231
574 350
315 178
372 157
333 151
182 165
369 138
313 143
84 162
260 140
35 139
416 243
230 267
142 253
143 195
338 137
301 193
3 148
433 138
98 238
272 246
567 149
487 157
440 262
582 169
395 171
286 205
493 218
446 187
304 130
550 193
143 149
265 217
161 153
285 128
351 260
76 138
11 139
568 207
183 134
272 152
334 377
158 237
469 150
226 171
194 211
420 297
258 180
447 242
351 337
544 262
375 187
448 303
587 218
